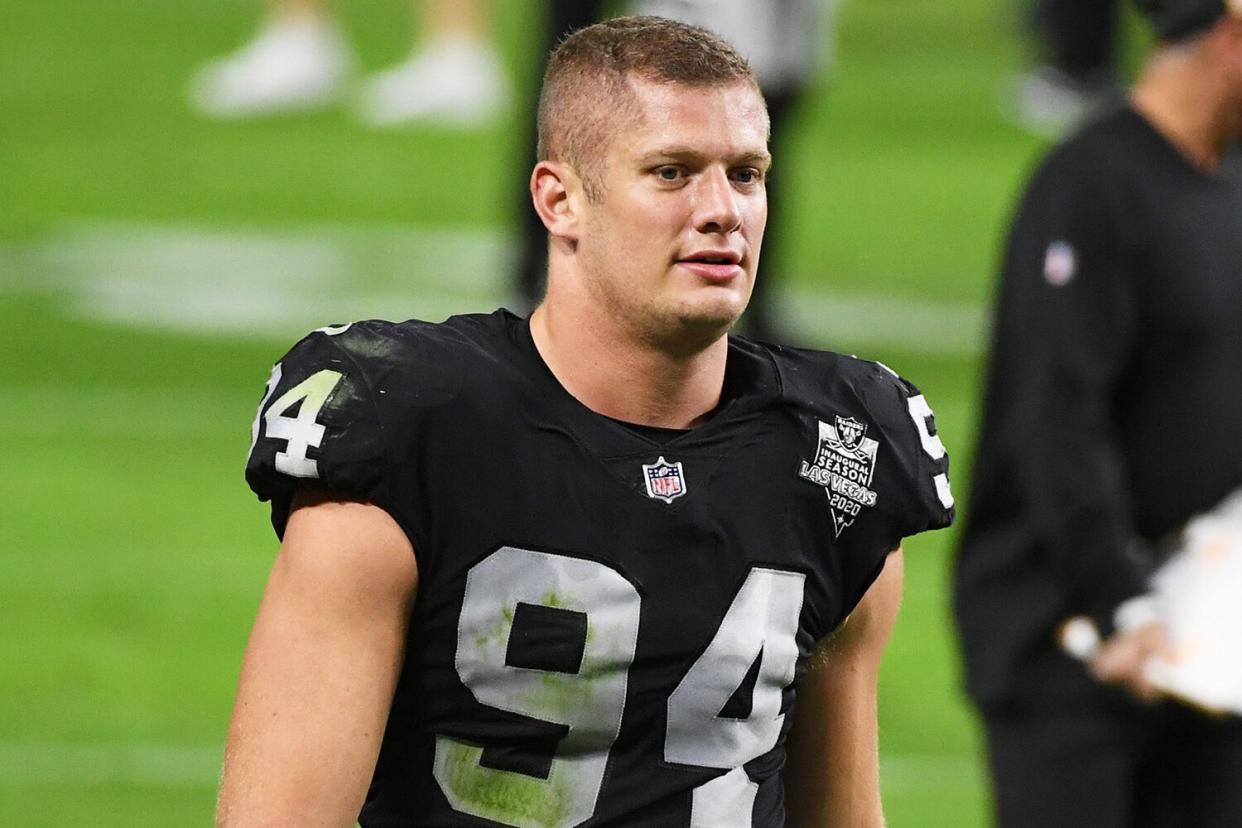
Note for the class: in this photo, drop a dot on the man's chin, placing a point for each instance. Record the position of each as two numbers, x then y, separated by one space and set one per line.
721 310
704 323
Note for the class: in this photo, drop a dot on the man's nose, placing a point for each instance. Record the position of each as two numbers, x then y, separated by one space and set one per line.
716 208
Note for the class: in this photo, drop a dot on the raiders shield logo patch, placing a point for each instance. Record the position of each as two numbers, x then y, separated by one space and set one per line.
665 481
843 465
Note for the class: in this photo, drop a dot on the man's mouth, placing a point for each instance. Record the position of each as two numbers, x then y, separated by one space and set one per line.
714 257
713 265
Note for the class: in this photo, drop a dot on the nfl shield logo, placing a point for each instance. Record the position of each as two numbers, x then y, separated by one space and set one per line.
1060 263
665 481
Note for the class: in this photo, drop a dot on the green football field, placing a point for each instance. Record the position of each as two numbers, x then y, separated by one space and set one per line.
153 265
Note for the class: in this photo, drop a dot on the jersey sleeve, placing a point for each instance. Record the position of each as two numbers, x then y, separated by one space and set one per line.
924 495
318 426
908 491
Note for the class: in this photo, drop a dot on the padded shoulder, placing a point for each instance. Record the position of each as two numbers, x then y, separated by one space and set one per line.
345 408
317 425
891 411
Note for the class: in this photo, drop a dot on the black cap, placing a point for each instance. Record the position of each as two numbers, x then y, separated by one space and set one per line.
1176 19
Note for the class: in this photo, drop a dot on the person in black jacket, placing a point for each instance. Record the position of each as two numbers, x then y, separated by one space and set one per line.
1111 417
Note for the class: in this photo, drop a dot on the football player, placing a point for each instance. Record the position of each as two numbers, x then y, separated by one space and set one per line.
577 569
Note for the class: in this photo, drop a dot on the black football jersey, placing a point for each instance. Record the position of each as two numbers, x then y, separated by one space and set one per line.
610 620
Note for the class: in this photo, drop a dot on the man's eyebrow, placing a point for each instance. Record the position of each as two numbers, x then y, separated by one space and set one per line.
760 158
684 152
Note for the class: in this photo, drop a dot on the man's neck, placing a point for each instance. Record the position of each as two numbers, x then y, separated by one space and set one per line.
1181 100
616 374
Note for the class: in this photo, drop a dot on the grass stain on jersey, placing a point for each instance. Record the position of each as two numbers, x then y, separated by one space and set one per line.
553 599
506 796
499 634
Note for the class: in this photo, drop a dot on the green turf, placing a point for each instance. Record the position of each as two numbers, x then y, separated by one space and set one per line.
132 555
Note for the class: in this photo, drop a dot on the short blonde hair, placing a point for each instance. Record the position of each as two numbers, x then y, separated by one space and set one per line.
586 92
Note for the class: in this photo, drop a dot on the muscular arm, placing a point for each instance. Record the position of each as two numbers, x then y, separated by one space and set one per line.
833 775
320 669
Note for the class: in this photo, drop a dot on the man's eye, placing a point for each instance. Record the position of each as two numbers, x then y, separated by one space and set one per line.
669 173
747 175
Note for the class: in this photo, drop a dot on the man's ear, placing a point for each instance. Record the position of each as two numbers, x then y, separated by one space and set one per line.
556 191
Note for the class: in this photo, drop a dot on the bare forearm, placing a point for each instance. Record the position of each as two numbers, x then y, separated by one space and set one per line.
833 776
319 672
291 758
833 773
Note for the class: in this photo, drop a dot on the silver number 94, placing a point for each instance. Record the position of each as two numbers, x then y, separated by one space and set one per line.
759 627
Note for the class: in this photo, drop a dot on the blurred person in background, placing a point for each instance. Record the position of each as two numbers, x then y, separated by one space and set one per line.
1076 76
301 60
531 264
788 44
1111 417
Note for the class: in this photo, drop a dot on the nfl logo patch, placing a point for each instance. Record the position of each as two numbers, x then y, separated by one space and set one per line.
1060 263
665 481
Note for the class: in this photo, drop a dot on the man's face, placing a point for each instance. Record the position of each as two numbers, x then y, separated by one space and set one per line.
670 248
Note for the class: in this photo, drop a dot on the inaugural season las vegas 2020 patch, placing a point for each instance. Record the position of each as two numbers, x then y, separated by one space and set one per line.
843 465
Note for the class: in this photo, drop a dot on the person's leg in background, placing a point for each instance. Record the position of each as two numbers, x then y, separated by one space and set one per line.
564 16
1062 768
1080 37
300 60
453 75
1076 41
762 318
1192 776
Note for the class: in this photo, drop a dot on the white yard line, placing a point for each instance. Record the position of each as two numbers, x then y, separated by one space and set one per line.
78 411
913 772
278 283
176 766
861 320
96 765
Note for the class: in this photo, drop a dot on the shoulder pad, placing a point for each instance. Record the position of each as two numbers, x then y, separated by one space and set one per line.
318 425
828 383
913 426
